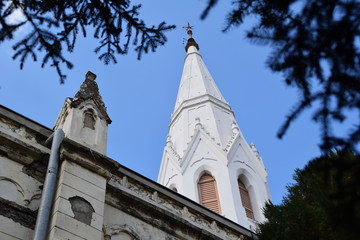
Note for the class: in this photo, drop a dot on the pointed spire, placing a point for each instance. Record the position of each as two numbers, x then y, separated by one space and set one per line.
90 90
191 41
196 80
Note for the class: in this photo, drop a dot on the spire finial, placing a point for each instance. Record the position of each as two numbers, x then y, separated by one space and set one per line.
189 29
191 40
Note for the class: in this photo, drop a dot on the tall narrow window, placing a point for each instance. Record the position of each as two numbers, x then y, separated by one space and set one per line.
245 200
208 193
89 119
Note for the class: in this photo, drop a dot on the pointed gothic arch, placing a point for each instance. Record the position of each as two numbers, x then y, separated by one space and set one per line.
208 194
246 199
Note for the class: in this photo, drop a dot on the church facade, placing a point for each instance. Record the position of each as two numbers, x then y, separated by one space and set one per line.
59 184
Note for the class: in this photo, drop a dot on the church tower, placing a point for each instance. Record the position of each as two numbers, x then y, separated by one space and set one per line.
84 118
206 157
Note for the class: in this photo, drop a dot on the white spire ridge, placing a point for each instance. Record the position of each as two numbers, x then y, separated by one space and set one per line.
196 79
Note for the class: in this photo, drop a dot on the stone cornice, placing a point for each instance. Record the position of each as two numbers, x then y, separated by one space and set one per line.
181 211
5 112
18 213
21 139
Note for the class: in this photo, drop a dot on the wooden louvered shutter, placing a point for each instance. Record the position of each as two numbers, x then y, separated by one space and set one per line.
208 193
245 200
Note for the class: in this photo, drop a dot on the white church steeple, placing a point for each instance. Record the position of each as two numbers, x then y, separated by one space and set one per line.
206 157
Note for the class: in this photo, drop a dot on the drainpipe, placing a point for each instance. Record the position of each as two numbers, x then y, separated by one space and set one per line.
42 221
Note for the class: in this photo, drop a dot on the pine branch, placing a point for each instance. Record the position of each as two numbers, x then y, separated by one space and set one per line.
315 45
55 25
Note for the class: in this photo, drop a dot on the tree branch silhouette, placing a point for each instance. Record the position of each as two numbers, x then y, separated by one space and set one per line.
53 27
316 46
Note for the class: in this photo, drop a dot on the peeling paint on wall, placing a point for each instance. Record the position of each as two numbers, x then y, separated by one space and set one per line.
82 209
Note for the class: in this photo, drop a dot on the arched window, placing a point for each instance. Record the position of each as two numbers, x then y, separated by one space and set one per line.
89 119
245 200
208 193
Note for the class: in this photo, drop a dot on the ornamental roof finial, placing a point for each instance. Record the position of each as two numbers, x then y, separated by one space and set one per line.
189 29
191 41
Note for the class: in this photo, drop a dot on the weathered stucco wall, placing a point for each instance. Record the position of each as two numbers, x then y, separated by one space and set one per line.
23 163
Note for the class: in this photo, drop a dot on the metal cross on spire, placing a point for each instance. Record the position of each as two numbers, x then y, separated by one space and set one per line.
189 29
190 41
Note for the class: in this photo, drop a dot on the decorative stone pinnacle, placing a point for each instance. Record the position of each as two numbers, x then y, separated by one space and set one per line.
235 128
168 141
198 124
90 90
90 76
168 137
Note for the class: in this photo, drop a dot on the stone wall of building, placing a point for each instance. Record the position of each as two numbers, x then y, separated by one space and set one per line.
23 161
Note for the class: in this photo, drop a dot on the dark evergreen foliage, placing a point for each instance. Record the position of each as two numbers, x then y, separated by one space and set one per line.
316 46
54 26
323 203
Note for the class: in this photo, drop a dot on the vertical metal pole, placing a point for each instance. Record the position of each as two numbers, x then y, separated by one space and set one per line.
47 197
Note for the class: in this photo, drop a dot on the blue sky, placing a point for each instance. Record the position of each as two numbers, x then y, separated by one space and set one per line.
140 95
